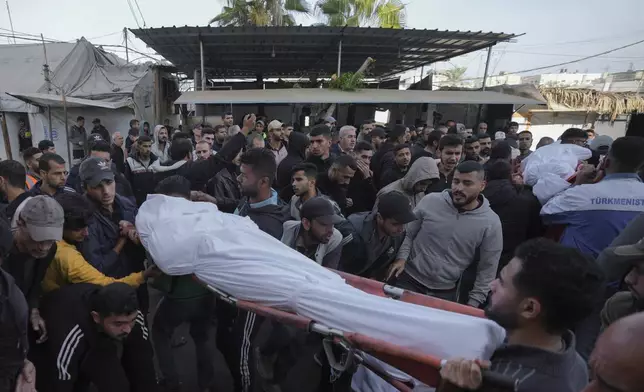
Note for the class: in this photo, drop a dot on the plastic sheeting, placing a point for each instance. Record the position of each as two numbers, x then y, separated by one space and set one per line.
548 168
232 254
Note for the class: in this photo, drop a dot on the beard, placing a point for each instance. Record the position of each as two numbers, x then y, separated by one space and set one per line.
508 320
485 152
250 191
463 199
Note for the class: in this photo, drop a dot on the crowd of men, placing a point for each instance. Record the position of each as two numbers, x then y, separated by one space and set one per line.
438 211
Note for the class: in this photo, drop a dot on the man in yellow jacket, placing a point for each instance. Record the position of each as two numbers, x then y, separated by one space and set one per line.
69 266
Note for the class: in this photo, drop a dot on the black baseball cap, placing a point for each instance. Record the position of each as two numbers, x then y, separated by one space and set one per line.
93 170
320 209
395 205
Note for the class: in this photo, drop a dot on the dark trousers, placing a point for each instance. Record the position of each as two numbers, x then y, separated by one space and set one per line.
407 282
236 331
170 314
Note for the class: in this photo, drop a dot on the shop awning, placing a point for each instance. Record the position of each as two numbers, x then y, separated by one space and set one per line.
56 101
366 96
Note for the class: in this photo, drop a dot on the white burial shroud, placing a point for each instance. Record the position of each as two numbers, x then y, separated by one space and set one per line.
230 253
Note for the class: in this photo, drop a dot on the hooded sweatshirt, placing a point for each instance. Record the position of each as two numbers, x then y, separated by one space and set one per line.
422 169
163 153
269 215
296 153
448 242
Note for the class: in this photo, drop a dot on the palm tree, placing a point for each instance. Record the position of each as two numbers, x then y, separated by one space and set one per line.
357 13
454 75
260 12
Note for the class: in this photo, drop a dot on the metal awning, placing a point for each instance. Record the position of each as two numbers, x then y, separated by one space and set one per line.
56 101
298 51
366 96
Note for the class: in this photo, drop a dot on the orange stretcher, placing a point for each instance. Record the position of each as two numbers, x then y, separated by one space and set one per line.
423 367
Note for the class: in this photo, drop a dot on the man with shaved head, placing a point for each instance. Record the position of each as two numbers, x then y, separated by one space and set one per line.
618 357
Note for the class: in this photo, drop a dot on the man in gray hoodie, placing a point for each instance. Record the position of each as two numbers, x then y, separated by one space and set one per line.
414 184
453 228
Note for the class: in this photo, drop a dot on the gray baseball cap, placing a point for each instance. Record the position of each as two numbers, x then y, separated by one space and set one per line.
94 170
44 219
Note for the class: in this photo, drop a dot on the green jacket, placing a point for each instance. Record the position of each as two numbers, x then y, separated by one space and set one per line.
618 306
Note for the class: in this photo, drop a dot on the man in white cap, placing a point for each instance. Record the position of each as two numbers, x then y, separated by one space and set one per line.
275 141
37 225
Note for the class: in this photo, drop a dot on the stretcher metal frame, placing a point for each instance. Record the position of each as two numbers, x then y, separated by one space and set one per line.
422 367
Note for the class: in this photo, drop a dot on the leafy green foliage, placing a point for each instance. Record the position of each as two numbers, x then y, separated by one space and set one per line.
348 81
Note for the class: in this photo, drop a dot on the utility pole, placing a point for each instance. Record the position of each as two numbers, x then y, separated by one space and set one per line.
45 71
127 52
11 22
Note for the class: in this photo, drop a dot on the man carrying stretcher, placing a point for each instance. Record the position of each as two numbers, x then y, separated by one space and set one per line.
538 298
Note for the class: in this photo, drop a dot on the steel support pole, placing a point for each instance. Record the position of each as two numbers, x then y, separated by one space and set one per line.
339 58
484 84
487 67
203 67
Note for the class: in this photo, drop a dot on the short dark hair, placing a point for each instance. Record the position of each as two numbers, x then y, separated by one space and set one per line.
174 186
344 161
501 150
132 132
43 162
363 146
452 130
14 172
261 161
115 299
397 132
499 170
471 139
100 145
133 121
513 124
30 152
528 132
590 130
365 122
207 131
226 114
573 133
484 136
566 282
309 169
471 167
180 149
450 141
77 208
80 118
434 136
45 144
218 127
628 153
180 135
400 146
144 138
320 130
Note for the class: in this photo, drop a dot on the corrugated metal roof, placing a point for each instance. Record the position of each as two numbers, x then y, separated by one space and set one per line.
312 50
314 95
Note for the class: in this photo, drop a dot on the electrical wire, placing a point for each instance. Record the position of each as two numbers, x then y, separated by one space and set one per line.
140 13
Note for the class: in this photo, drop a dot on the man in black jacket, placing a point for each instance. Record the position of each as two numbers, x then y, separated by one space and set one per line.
320 148
517 208
101 149
237 330
335 181
402 159
37 225
372 239
14 318
451 150
138 169
540 296
383 159
297 145
362 190
98 337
